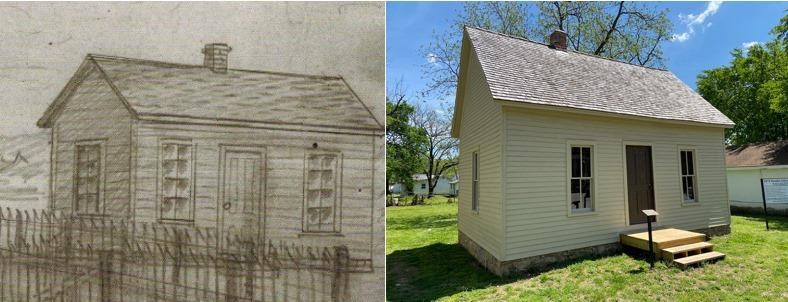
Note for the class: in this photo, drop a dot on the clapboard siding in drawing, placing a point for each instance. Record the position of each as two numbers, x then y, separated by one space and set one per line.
277 156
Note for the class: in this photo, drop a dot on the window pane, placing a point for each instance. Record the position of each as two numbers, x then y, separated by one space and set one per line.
575 162
586 162
585 193
575 187
690 187
690 160
684 188
683 162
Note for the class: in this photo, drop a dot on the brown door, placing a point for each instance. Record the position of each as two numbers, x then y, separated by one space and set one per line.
240 198
640 185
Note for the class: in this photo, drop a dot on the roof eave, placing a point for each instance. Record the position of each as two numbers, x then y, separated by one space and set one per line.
190 120
524 104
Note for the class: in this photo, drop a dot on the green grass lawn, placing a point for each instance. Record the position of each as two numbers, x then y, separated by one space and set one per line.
424 262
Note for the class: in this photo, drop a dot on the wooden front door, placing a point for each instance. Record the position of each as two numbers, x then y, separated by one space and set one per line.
640 184
240 198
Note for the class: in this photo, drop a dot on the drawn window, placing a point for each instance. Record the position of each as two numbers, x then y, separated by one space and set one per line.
688 176
475 181
88 177
321 192
176 198
581 179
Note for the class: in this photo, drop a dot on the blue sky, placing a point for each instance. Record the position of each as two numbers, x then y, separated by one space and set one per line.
705 34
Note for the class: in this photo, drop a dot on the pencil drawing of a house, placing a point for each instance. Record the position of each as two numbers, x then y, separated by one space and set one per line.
253 156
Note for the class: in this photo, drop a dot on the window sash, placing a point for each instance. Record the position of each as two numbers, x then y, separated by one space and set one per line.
321 193
688 176
87 178
475 181
176 182
581 182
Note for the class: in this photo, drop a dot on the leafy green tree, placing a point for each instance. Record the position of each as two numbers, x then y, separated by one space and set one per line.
625 31
404 141
752 90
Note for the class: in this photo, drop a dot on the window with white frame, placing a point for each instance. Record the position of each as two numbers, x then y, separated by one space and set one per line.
689 188
475 181
87 178
176 200
581 180
321 200
423 186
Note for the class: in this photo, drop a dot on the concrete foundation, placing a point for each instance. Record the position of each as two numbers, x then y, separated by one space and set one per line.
545 262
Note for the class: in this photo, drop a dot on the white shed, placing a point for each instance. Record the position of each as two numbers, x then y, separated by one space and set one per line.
746 166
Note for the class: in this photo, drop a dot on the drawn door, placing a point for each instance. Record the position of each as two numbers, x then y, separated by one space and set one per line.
241 198
640 185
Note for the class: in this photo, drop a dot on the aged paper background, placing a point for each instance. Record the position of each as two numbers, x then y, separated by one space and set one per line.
43 45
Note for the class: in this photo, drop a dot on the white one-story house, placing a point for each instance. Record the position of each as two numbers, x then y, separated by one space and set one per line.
747 165
445 186
560 151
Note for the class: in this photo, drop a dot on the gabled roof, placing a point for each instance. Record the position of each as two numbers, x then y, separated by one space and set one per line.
523 71
757 155
160 89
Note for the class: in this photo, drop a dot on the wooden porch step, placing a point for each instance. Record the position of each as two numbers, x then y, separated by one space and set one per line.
686 250
695 259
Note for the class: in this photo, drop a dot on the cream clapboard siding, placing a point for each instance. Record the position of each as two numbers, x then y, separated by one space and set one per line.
481 131
536 178
93 112
283 180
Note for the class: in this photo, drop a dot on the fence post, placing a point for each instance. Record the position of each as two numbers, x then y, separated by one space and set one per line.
339 288
230 274
105 275
251 263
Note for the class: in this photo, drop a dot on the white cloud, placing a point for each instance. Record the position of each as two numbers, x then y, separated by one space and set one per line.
747 45
680 38
432 58
692 21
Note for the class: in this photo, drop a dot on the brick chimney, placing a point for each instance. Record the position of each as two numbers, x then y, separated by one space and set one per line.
558 39
216 56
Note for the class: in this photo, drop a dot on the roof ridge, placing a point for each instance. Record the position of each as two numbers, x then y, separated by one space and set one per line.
568 50
182 65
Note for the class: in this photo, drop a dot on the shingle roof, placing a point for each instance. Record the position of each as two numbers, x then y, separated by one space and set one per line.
524 71
167 89
757 155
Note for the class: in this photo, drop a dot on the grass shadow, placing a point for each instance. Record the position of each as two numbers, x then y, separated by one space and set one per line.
422 222
440 270
778 223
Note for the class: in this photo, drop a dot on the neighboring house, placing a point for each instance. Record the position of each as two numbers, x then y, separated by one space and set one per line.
747 165
268 156
445 186
560 152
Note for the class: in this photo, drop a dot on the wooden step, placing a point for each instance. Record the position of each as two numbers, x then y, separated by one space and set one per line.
695 259
686 250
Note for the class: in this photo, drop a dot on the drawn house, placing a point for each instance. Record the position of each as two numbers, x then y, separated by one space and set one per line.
560 152
257 154
746 166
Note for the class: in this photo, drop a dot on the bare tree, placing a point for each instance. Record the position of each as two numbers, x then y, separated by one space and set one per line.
440 153
625 31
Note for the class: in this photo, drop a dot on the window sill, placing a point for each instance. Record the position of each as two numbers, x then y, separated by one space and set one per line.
581 213
315 234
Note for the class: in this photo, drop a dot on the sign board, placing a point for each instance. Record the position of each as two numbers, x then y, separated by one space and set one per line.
775 190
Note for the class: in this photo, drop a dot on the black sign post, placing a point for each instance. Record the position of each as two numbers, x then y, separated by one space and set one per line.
650 214
765 213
